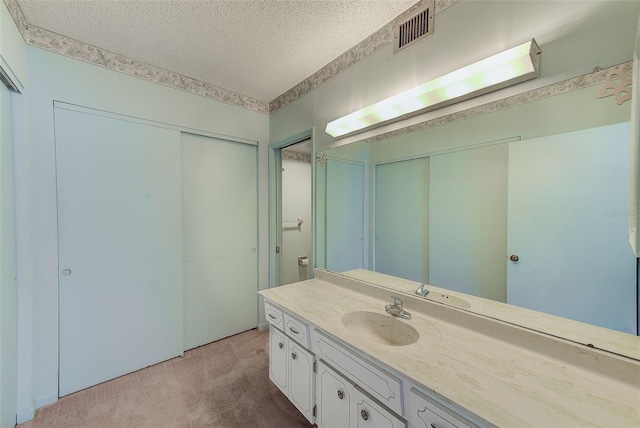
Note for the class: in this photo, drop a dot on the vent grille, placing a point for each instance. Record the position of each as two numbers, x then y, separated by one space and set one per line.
417 27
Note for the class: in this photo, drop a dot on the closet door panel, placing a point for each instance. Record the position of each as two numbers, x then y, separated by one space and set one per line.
468 221
402 219
344 215
120 253
568 219
220 238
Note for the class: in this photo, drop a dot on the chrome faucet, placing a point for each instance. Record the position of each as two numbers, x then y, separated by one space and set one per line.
396 308
421 291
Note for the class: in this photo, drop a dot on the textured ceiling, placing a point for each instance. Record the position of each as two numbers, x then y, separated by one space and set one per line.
259 48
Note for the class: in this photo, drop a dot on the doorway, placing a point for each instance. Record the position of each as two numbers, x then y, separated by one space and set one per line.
295 213
292 207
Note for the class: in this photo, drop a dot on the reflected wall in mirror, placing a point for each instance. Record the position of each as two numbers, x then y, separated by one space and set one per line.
546 182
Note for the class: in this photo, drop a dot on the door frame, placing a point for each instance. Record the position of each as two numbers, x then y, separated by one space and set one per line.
275 201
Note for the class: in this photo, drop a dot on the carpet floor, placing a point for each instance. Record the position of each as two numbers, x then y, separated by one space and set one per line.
224 384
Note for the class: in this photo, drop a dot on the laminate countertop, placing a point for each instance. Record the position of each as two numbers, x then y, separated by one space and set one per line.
506 375
598 337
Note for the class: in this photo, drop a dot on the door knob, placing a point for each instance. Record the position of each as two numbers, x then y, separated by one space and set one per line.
364 415
514 258
340 394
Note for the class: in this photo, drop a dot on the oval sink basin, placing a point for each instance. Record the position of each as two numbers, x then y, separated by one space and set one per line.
380 328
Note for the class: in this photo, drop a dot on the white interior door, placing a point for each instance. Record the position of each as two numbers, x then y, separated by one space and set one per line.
568 209
120 252
468 221
220 238
344 215
402 219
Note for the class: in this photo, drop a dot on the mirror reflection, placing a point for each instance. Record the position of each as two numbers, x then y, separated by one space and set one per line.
527 206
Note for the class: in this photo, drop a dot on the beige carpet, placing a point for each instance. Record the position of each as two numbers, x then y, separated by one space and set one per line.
223 384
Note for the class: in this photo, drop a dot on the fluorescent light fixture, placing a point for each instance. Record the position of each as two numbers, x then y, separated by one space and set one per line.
496 72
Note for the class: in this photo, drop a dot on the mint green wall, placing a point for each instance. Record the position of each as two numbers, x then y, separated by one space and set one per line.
13 58
55 77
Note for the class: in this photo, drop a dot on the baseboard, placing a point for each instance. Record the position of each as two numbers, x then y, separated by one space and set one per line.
30 413
26 415
46 400
263 326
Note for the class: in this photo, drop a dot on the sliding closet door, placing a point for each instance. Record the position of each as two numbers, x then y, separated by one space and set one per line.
402 219
220 238
344 215
568 220
120 246
468 221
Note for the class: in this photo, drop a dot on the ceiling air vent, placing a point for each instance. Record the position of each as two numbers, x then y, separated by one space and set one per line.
418 26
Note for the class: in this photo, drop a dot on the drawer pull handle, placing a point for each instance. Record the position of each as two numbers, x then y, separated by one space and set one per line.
273 317
293 330
340 394
280 345
293 355
364 415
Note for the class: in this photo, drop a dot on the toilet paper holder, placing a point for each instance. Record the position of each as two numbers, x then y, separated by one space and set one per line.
303 260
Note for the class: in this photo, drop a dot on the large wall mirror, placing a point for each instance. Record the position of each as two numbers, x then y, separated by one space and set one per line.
527 206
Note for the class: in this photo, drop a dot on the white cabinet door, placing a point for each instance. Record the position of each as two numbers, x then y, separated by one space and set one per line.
291 370
301 379
120 252
333 395
568 209
278 349
342 405
369 414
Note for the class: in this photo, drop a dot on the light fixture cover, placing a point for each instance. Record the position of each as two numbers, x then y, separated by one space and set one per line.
496 72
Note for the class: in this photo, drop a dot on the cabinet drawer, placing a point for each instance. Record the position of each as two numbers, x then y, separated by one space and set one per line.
378 383
423 412
274 315
297 330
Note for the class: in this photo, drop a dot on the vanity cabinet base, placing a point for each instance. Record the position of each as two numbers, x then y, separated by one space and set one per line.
341 404
291 370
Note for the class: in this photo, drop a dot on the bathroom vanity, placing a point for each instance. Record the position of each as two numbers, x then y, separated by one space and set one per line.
343 361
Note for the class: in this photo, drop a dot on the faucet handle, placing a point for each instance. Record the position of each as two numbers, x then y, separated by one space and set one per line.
397 301
421 291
